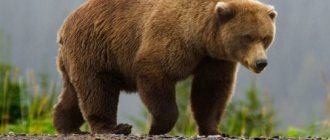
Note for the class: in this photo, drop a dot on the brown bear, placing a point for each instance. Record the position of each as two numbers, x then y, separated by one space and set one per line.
108 46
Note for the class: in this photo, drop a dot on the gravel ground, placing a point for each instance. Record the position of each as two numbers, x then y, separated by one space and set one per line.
132 137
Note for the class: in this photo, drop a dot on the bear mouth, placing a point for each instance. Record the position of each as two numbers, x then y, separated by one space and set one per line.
258 71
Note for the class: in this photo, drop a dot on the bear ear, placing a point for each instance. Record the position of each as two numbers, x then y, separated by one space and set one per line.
272 14
224 11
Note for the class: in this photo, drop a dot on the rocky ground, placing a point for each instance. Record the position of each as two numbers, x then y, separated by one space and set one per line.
132 137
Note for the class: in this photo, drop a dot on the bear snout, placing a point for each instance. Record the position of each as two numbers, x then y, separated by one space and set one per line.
261 64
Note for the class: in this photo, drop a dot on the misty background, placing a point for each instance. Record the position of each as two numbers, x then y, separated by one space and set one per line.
292 79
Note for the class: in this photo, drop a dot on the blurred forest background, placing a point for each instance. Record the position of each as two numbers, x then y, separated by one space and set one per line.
294 82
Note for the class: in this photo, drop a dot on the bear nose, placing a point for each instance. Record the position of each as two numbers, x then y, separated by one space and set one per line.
261 64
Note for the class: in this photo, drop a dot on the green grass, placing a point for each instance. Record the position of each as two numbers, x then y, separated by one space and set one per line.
26 103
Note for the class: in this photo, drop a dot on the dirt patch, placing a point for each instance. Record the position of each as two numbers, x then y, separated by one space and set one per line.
133 137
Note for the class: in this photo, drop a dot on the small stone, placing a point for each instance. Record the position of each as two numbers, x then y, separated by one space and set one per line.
214 136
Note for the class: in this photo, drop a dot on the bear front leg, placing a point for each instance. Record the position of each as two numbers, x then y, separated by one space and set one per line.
158 94
98 96
211 90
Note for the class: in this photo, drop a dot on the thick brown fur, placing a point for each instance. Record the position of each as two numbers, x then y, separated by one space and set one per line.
148 46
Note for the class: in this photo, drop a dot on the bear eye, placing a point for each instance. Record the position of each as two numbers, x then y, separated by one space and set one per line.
248 38
266 39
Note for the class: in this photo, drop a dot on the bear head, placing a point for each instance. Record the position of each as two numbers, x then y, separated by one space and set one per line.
245 29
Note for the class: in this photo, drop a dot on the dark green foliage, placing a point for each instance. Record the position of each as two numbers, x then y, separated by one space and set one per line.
10 105
249 117
25 103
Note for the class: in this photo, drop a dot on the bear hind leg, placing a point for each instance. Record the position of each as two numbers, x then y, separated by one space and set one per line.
67 116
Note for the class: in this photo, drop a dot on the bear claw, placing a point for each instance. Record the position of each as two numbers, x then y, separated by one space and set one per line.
122 129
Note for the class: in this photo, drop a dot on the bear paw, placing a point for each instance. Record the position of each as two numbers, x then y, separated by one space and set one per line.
122 129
